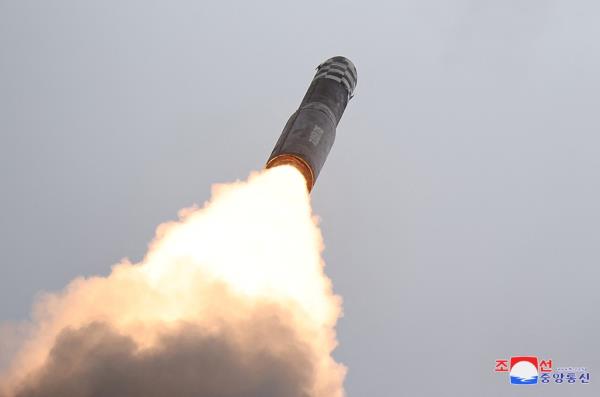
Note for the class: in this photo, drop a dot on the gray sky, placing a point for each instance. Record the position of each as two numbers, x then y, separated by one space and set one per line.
459 204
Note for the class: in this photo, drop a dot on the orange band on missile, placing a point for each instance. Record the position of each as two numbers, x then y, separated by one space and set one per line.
296 161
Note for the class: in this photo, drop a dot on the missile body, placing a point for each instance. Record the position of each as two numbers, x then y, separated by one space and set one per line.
309 133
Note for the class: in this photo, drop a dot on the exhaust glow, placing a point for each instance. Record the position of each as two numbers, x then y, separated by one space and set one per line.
230 300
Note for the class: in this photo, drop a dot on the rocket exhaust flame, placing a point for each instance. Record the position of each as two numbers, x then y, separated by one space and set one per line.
230 300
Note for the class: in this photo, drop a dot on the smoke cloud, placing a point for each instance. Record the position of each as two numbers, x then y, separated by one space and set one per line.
231 301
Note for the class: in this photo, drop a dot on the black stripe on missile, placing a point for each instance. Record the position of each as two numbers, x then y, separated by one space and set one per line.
348 83
342 68
352 73
350 80
338 67
336 73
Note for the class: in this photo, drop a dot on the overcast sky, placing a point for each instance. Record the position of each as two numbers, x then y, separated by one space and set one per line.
459 205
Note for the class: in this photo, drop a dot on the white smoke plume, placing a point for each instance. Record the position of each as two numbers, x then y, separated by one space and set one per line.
229 301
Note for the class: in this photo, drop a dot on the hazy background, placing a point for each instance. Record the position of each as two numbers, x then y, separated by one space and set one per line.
460 203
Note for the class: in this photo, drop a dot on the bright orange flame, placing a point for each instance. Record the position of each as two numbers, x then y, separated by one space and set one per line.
254 242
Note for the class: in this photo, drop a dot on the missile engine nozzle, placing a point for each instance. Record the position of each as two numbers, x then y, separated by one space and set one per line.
308 135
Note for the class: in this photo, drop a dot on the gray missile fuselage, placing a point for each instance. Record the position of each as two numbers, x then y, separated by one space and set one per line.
309 134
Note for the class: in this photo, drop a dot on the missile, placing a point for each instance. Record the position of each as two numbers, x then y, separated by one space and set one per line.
308 135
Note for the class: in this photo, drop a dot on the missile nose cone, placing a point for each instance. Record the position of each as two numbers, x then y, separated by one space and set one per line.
340 69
